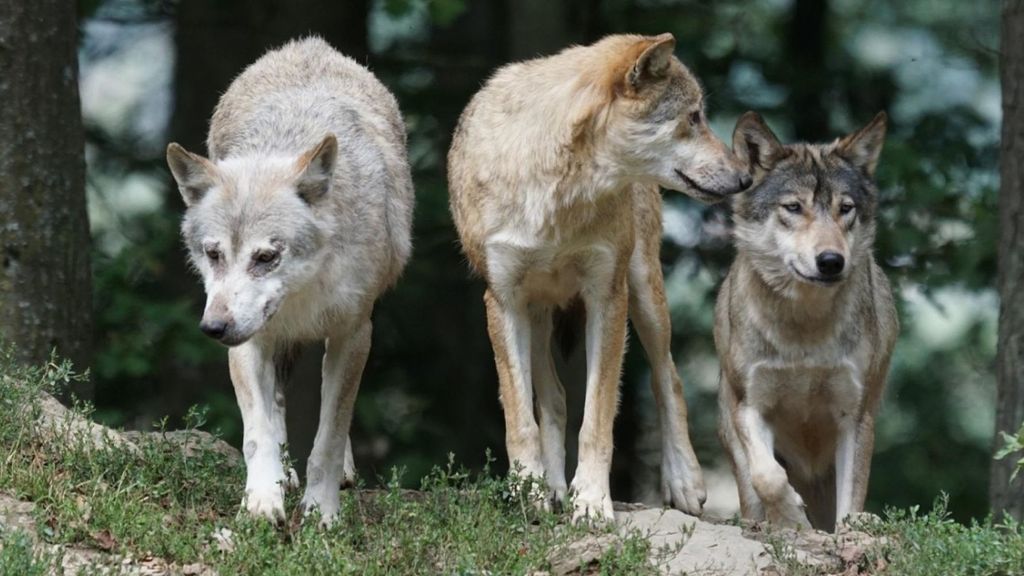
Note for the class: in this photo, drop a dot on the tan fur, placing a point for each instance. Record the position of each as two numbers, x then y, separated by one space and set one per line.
553 175
804 362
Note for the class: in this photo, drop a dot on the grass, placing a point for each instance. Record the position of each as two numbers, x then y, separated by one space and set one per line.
158 502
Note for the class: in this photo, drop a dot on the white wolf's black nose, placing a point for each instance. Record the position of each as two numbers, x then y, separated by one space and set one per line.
214 328
830 263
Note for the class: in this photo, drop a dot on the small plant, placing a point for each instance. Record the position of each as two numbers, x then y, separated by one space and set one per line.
1013 445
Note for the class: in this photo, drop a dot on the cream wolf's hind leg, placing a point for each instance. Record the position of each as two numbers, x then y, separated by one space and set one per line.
254 375
330 462
682 483
550 402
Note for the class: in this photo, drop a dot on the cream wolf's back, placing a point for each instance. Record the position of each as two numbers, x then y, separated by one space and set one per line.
284 103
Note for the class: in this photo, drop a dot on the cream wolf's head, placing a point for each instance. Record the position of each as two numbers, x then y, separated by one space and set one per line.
253 231
654 120
809 217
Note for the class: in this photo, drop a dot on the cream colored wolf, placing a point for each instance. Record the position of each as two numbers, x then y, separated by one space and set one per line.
805 325
297 223
553 174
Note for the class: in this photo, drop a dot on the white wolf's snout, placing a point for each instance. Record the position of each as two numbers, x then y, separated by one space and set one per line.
234 319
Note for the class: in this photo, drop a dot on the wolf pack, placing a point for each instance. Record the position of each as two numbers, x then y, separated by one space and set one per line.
300 217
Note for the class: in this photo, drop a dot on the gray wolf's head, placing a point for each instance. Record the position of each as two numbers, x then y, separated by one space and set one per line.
656 123
253 231
809 217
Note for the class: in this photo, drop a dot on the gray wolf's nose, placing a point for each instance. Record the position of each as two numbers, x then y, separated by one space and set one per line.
830 263
214 328
745 181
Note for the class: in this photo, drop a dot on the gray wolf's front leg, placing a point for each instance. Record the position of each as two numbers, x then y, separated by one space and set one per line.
330 462
261 402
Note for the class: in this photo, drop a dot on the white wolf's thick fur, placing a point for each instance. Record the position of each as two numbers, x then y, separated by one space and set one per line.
297 223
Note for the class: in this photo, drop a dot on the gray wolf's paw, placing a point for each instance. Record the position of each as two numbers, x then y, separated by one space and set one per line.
789 511
265 502
682 485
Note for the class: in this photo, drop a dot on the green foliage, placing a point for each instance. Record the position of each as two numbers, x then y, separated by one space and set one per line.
163 501
928 544
1013 444
18 556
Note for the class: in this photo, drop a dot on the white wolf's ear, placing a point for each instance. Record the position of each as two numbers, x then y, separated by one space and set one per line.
653 62
194 174
316 167
754 143
863 147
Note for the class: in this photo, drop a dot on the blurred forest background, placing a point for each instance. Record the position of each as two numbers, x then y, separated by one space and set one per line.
151 72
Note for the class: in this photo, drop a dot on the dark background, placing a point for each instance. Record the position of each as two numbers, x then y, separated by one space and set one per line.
151 72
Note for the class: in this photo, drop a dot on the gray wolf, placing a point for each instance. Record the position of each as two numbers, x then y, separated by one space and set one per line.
553 174
297 222
804 326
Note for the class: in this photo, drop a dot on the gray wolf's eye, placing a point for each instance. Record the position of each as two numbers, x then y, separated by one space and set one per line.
792 207
695 118
846 208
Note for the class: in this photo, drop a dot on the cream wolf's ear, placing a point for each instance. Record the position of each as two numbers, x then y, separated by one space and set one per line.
653 62
755 144
316 168
194 174
863 147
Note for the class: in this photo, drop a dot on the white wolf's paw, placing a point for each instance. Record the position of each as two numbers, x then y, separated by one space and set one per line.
265 502
325 502
591 502
682 485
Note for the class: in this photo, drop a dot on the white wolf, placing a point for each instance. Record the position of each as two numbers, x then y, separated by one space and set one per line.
295 238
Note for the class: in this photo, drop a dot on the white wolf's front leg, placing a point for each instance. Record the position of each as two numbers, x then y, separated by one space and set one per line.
606 341
330 462
253 374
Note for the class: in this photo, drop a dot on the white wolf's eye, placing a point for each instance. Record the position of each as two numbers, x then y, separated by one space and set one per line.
212 254
265 256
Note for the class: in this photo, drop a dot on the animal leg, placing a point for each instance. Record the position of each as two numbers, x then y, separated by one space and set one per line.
682 483
781 502
606 340
253 375
509 326
550 402
750 504
330 462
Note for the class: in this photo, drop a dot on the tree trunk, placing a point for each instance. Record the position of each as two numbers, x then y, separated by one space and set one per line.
1006 496
45 292
806 49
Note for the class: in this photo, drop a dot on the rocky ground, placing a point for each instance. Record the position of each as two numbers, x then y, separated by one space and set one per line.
683 544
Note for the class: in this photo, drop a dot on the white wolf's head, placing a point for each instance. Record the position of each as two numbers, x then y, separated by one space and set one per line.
253 231
809 217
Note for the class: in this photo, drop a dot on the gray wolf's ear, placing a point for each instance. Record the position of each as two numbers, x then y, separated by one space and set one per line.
194 174
653 62
316 168
754 143
863 147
